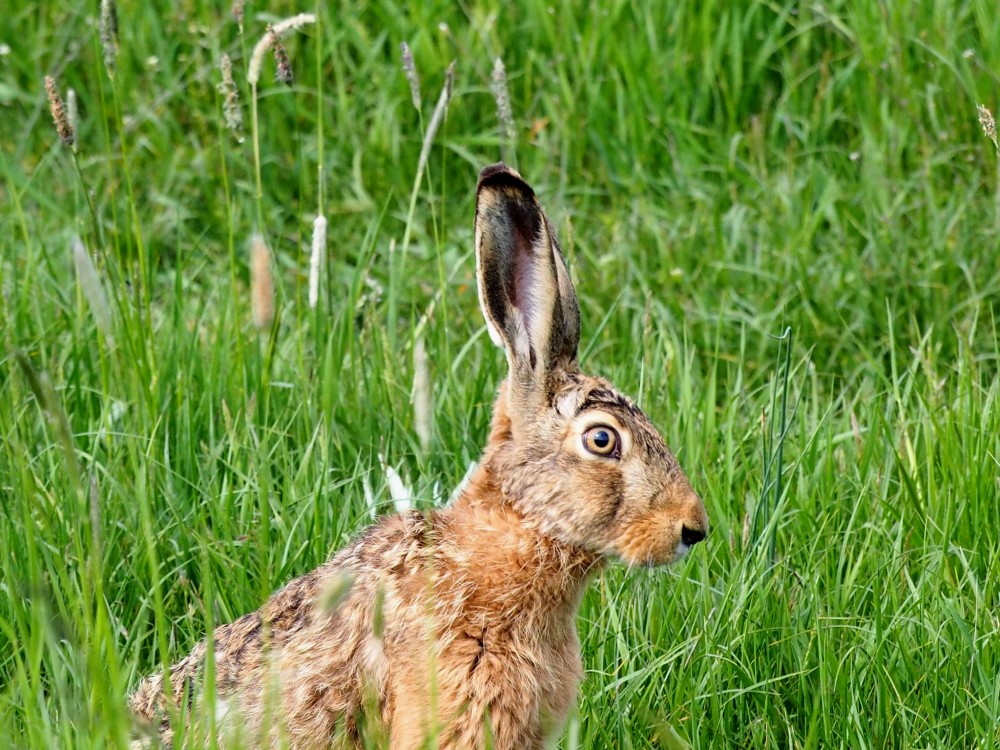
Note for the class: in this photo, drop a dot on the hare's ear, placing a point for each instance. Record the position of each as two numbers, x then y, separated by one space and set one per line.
524 286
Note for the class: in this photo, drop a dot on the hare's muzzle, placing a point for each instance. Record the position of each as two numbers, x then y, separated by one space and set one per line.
663 534
694 524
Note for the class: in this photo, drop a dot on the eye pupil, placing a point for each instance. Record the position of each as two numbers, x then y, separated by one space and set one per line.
602 438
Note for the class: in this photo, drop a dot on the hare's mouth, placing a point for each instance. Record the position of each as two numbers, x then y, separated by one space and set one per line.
656 561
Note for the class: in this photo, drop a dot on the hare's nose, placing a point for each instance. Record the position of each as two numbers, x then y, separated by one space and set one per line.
691 537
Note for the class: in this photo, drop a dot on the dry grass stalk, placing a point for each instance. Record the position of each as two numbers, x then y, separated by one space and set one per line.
989 125
466 479
439 112
369 498
316 258
58 110
231 110
410 69
261 284
93 289
422 405
401 495
278 30
108 27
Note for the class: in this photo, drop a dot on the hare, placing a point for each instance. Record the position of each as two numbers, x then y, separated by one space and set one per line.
460 622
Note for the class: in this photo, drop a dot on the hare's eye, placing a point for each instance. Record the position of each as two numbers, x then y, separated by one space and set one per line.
602 441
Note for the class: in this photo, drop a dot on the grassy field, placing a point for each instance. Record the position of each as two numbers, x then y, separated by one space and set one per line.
783 219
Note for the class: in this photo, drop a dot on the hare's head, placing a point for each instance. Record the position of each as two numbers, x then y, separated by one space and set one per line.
573 454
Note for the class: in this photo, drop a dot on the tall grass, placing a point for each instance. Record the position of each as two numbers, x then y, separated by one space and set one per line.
719 173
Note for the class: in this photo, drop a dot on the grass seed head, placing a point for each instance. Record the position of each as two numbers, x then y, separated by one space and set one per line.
93 289
293 23
283 71
63 126
237 9
410 69
422 406
422 409
261 284
275 31
316 258
73 114
989 125
109 34
257 59
231 110
502 97
449 81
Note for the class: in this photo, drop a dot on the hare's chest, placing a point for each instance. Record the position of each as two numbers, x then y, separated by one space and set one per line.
560 673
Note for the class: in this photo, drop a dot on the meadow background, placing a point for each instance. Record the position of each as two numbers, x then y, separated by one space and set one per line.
721 175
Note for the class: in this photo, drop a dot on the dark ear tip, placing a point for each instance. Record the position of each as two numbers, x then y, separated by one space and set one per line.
500 175
496 169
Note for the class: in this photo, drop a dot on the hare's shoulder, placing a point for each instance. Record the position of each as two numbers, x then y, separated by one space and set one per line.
394 542
348 580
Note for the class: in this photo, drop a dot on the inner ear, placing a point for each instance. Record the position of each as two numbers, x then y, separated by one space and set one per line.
528 281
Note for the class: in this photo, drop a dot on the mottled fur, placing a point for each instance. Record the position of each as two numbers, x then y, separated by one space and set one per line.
461 622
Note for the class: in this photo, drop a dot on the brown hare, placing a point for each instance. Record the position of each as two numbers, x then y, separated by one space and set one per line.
460 622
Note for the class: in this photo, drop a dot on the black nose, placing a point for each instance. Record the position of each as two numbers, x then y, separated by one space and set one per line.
690 537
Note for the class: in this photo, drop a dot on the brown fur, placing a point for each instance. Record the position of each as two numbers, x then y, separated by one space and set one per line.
477 635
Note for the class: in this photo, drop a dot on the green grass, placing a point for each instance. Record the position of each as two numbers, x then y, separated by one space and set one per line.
718 173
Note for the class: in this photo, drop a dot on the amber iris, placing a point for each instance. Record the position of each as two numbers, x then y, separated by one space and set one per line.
602 441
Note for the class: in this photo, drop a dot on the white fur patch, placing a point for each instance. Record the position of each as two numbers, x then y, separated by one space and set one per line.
222 709
374 655
567 404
